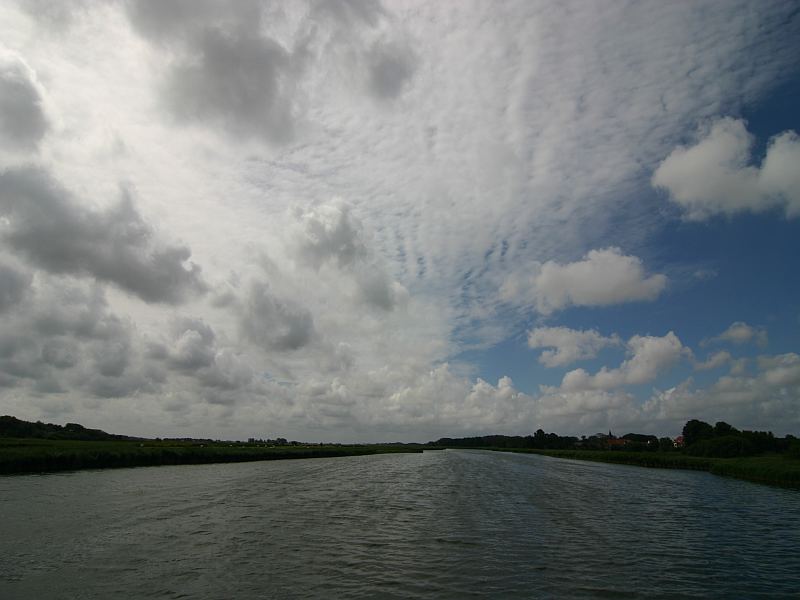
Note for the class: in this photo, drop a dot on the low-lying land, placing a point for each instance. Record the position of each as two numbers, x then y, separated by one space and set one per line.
31 455
773 469
720 449
27 447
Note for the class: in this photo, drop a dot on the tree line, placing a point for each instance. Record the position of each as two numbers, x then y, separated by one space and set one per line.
723 441
17 428
698 439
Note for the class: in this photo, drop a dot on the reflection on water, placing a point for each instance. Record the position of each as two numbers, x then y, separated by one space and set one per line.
449 524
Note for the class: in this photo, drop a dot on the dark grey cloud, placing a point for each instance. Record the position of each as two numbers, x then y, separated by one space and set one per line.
275 324
156 351
18 356
114 245
14 284
225 71
391 67
65 339
171 20
23 122
112 358
128 384
73 311
376 288
241 81
61 353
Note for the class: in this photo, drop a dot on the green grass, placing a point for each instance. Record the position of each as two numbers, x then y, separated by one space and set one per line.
38 455
773 469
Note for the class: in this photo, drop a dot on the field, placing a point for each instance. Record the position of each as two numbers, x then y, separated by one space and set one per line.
41 455
774 469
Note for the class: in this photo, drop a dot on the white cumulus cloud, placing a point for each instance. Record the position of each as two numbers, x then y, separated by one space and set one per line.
650 356
715 175
741 333
714 361
569 345
602 278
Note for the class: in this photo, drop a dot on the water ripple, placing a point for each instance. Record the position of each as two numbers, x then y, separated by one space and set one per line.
455 524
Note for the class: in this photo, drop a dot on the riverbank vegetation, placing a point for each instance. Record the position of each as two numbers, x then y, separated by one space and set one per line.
71 447
759 456
720 449
774 469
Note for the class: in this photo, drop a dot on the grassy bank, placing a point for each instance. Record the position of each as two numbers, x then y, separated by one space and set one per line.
773 469
38 455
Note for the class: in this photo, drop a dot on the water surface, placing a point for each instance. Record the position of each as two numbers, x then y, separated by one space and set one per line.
452 524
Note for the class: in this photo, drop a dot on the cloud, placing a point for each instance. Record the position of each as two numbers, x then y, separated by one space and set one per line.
602 278
714 361
768 399
241 82
64 339
457 404
378 290
194 344
350 11
328 233
23 120
473 146
555 405
275 324
233 69
331 235
765 400
193 351
60 16
64 343
391 66
166 20
570 345
781 370
223 71
715 176
650 356
115 244
741 333
779 177
14 284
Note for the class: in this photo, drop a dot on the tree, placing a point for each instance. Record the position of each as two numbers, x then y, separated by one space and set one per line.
722 428
695 431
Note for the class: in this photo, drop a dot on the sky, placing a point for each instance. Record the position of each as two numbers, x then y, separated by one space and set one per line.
348 220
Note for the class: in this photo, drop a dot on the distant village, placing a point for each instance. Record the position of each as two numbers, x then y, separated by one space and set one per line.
697 438
629 441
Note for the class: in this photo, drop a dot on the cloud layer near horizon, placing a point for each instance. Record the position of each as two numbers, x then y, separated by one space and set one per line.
257 218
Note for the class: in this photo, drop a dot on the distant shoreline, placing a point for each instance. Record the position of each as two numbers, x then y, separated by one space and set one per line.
36 455
33 455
